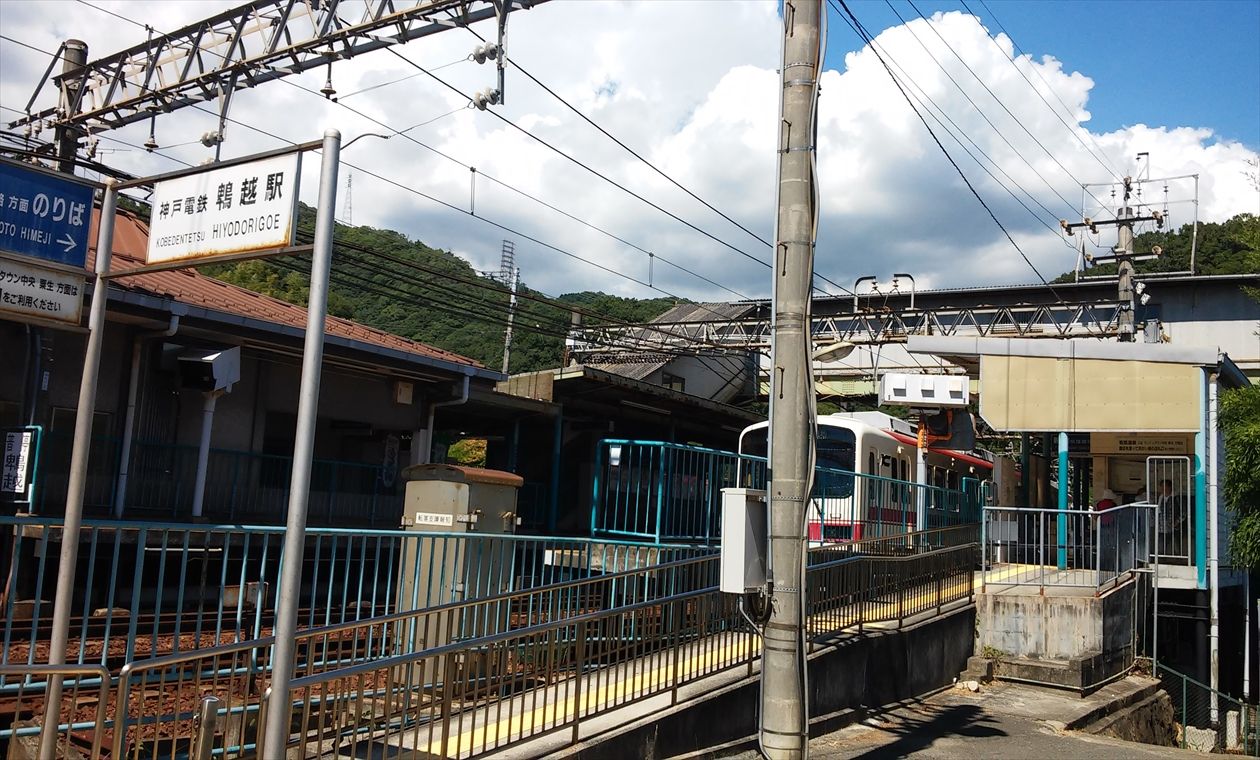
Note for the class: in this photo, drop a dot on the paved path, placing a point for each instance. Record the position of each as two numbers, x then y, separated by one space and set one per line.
1006 721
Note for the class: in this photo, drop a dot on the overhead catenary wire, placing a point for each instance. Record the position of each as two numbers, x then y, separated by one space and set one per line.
1049 153
400 185
1109 165
422 70
591 170
869 39
955 131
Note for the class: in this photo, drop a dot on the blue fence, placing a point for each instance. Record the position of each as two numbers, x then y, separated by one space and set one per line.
148 589
665 492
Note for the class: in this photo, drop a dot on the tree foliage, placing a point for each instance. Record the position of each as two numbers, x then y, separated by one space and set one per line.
1229 247
421 299
1240 420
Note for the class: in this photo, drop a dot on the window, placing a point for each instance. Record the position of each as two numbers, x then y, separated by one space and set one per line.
674 382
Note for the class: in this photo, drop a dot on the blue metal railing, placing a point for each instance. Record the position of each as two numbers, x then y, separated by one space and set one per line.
664 492
145 589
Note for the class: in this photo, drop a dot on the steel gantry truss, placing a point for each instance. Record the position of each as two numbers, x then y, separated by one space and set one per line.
1097 319
243 47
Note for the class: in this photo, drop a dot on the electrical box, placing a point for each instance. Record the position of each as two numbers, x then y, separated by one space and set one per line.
443 498
924 391
744 540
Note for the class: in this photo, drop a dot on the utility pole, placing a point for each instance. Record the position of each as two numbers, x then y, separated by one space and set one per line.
73 58
507 336
1124 256
784 712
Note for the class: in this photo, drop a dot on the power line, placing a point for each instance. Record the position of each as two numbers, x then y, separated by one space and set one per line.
870 41
932 108
579 163
1110 166
522 193
989 90
604 177
980 111
421 70
635 153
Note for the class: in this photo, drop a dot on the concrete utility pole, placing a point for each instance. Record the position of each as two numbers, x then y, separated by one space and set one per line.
507 336
784 702
1124 256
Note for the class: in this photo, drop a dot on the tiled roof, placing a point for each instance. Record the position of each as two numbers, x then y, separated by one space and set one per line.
188 286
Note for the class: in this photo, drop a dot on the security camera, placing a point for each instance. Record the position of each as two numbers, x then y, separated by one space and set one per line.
210 369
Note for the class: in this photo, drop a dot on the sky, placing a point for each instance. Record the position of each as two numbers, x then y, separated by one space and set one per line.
691 86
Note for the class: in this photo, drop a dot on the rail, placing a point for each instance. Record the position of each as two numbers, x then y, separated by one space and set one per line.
643 613
1093 549
668 492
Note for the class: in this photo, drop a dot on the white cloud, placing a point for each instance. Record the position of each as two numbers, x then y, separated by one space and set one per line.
694 92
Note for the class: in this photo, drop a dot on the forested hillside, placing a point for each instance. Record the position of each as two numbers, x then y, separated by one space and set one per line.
1229 247
383 279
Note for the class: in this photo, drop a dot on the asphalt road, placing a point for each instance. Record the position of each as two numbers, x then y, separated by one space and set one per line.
1007 721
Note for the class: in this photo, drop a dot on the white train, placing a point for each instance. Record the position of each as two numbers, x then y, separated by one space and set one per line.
879 497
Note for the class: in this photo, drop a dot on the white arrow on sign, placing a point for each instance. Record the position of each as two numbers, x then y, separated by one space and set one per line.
67 241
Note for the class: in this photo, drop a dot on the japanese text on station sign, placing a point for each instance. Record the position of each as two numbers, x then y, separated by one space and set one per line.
236 209
17 448
29 290
43 216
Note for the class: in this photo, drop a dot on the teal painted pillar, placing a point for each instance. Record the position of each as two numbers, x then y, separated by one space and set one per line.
1200 484
1064 480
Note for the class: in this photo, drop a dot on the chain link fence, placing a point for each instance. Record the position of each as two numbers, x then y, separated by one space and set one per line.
1208 720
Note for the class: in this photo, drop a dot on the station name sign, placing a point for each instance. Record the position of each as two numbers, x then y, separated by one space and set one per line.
243 208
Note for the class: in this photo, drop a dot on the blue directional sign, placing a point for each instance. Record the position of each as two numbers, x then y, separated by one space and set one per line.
44 216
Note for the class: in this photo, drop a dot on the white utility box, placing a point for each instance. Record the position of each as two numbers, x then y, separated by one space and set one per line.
924 391
744 540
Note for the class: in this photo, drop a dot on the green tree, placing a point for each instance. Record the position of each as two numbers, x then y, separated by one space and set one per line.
429 298
1229 247
1240 420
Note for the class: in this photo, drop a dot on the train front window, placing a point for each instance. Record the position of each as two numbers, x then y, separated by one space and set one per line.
836 448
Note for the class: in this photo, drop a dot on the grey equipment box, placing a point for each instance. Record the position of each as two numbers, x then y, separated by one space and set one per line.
471 513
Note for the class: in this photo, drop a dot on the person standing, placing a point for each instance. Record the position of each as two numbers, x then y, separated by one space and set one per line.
1172 521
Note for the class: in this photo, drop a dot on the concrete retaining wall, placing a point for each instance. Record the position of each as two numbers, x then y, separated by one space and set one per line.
872 668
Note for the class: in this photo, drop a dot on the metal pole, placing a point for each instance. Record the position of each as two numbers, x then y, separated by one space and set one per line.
784 731
507 336
203 451
78 474
1214 578
1063 498
74 58
1124 249
921 478
276 729
206 722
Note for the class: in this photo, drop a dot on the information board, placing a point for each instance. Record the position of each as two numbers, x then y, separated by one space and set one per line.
32 292
44 216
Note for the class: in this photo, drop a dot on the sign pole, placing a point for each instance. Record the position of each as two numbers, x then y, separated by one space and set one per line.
78 474
276 729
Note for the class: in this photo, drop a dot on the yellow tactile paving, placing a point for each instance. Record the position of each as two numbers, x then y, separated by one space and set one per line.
558 712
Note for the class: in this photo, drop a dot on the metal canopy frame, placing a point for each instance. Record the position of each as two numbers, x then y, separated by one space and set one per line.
244 47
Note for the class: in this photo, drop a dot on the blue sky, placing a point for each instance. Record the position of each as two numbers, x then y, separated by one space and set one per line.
1166 62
